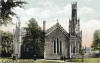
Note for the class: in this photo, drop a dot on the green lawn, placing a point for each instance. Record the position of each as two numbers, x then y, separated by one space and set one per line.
4 60
92 60
86 60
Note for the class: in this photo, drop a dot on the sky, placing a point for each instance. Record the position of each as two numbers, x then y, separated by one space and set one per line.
51 10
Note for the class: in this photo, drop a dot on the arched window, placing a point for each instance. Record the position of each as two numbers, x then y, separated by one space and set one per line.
60 47
54 46
57 46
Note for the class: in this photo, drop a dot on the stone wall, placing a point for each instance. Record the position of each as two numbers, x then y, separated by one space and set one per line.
57 33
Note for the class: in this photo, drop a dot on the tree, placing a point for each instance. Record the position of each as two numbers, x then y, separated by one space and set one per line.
6 12
6 44
96 40
0 44
33 43
82 53
6 9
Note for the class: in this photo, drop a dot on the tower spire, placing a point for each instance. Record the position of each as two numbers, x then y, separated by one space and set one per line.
57 21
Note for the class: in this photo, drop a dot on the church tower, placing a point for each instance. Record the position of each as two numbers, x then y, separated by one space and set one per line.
74 22
17 41
74 32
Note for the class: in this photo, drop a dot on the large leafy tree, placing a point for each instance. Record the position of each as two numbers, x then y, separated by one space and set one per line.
6 9
96 40
6 44
33 42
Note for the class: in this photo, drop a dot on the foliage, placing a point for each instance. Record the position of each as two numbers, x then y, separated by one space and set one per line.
6 44
6 9
33 43
82 54
96 40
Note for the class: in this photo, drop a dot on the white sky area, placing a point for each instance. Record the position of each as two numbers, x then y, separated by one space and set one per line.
51 10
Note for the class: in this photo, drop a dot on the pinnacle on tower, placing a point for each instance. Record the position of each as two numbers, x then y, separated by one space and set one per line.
57 21
44 23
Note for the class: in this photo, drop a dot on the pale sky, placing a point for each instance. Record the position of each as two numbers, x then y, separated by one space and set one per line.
51 10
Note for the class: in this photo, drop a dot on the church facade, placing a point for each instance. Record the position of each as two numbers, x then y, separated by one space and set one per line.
59 43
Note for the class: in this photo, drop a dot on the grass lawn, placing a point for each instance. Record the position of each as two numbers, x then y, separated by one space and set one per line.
92 60
5 60
86 60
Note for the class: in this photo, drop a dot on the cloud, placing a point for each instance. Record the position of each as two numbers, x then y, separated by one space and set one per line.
88 29
46 3
32 12
86 11
46 14
65 11
25 14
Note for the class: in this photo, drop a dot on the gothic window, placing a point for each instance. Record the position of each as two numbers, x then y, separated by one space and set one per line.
72 46
57 46
74 49
60 47
54 46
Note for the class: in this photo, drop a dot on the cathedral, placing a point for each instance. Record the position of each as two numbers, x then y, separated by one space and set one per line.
59 43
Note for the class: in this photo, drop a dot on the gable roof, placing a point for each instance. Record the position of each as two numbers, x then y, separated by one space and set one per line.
57 25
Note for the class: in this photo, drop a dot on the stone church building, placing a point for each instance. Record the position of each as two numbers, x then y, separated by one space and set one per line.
58 42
